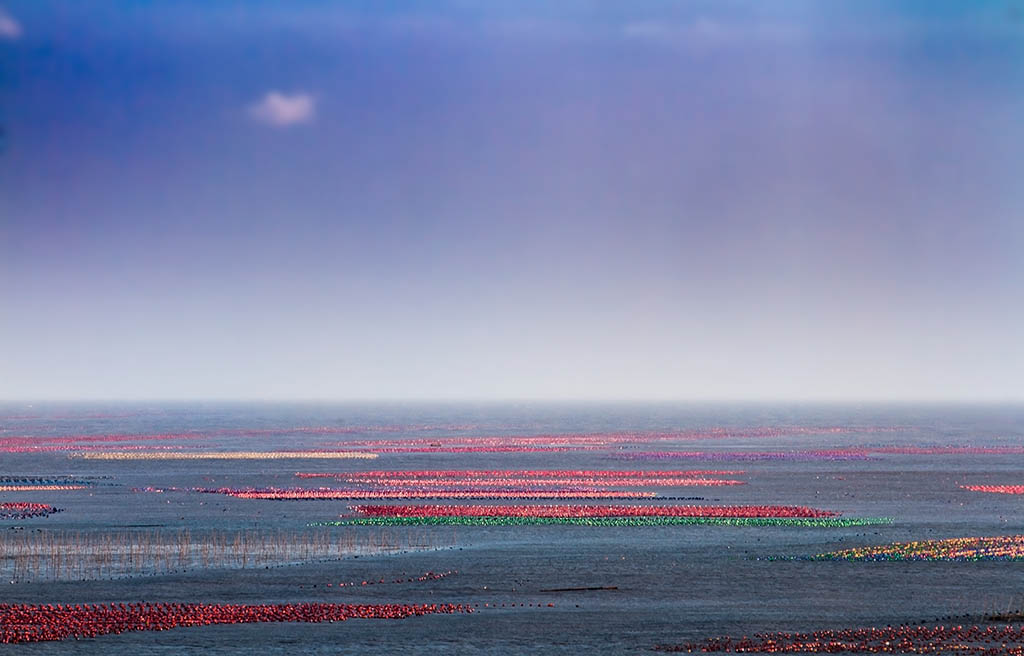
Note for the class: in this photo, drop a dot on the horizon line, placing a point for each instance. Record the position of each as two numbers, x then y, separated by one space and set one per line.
534 400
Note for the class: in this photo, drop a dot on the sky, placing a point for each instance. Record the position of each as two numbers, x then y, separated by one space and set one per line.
702 200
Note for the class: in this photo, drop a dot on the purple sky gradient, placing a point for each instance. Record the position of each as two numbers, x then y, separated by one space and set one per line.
703 200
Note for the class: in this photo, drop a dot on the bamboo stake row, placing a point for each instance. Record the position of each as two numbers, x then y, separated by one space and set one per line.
91 555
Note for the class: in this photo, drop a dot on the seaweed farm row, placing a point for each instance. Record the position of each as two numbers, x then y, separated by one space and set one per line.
564 511
29 442
525 491
460 474
506 483
52 480
858 453
43 443
486 485
618 437
593 515
744 456
41 488
20 623
1008 547
991 640
304 494
226 455
25 510
996 489
481 449
457 520
137 452
532 478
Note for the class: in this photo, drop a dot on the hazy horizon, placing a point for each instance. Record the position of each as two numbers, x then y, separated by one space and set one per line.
695 201
524 401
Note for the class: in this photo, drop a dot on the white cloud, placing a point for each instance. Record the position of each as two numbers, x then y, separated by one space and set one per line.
281 110
9 28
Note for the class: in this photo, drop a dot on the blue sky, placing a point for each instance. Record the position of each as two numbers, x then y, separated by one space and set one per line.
664 200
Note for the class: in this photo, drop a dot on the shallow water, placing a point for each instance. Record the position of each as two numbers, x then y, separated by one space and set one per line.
674 584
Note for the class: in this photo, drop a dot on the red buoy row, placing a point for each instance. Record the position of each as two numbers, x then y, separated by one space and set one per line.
43 622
